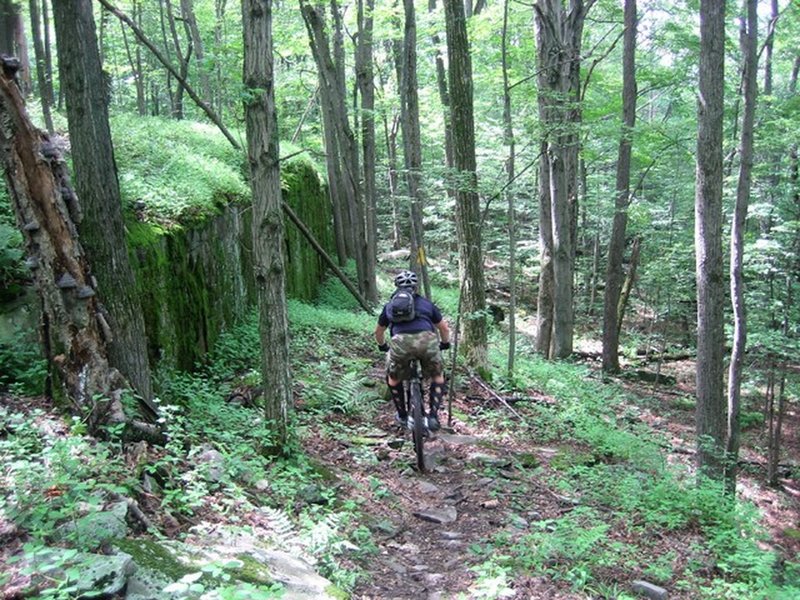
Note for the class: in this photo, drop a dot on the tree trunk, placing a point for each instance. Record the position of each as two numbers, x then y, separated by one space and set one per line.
412 144
627 286
748 40
468 217
135 62
219 18
544 301
12 41
102 230
45 90
268 230
558 39
711 409
339 132
190 22
616 246
75 329
508 134
444 98
366 86
183 63
48 58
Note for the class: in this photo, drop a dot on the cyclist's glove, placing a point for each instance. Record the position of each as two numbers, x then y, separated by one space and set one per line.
444 345
384 347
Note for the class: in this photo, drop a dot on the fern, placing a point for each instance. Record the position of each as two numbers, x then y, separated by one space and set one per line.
285 534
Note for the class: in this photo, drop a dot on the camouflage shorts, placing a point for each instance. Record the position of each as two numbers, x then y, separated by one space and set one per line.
405 346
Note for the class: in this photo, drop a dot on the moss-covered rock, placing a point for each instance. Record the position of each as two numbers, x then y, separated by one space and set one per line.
196 281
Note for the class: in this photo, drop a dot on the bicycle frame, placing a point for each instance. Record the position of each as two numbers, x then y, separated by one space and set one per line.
416 411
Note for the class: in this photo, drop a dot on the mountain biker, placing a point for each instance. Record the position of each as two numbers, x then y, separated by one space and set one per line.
414 338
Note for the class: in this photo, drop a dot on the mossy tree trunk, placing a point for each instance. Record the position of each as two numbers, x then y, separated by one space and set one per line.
268 230
102 230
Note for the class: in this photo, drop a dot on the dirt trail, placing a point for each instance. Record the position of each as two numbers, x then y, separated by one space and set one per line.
425 523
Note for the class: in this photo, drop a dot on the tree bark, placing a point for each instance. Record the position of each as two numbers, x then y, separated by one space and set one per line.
558 39
339 132
412 144
366 86
468 217
711 409
544 301
183 63
190 22
444 98
12 41
508 134
102 230
748 40
45 89
268 229
75 331
627 286
616 246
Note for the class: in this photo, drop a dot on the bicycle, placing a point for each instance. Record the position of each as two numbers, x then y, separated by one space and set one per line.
417 421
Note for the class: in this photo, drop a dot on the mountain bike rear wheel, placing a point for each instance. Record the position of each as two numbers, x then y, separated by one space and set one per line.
418 431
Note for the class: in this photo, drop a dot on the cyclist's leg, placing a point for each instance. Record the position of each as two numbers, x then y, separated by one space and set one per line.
432 367
436 396
397 371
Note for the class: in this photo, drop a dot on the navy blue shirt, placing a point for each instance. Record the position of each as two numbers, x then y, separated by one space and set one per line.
426 316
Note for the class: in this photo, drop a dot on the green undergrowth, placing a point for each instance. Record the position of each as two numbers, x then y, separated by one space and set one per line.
635 516
189 176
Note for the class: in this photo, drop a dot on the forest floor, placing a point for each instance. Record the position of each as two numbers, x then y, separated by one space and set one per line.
432 528
500 483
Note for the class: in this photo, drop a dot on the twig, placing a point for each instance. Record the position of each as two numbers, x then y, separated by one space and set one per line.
496 396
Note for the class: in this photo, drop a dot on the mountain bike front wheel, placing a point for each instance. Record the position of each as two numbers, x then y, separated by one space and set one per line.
418 414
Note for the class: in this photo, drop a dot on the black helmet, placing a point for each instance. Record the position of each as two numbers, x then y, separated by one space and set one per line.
406 279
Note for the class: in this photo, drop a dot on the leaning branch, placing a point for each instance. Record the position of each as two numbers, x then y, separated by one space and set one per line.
321 251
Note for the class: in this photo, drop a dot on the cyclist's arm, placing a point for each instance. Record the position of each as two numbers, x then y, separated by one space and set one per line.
444 331
380 334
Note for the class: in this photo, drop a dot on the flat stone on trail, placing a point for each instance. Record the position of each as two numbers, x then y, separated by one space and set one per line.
462 440
445 514
426 487
451 535
649 590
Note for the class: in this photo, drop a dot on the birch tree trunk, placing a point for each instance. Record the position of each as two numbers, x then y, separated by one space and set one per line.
748 40
468 214
616 246
268 229
102 230
711 407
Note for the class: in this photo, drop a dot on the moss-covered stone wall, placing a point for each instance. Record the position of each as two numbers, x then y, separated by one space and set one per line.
197 281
